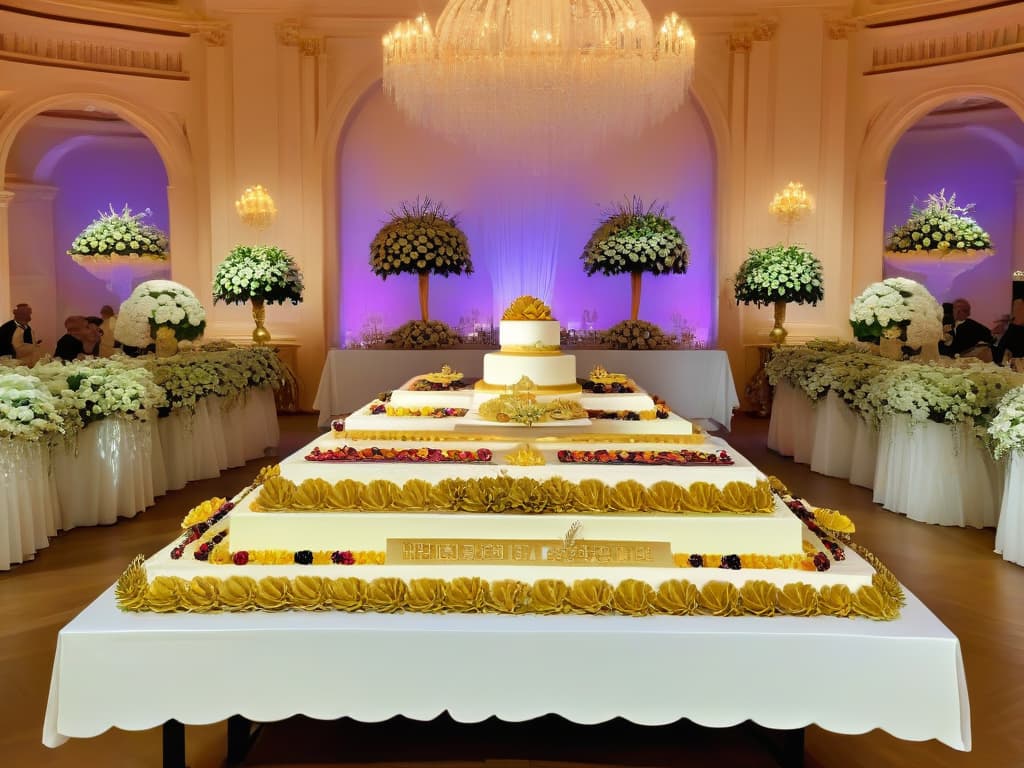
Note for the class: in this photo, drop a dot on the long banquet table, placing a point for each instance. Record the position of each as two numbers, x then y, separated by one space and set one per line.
124 670
697 383
116 468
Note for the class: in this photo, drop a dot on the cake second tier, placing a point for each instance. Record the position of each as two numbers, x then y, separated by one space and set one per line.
503 369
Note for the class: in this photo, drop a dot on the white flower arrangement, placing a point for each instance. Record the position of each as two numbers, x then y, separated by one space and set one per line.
187 378
942 226
264 273
927 393
27 409
120 234
786 273
159 304
897 308
1006 430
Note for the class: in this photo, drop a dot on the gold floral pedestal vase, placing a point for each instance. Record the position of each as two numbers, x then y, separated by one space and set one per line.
424 290
635 285
778 333
166 343
259 313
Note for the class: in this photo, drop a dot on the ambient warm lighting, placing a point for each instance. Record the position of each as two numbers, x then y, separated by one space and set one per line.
529 75
792 203
256 207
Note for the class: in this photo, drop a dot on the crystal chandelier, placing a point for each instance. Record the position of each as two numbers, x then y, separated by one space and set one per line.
558 76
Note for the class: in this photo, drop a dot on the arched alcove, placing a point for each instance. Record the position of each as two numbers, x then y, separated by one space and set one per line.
65 166
383 160
971 147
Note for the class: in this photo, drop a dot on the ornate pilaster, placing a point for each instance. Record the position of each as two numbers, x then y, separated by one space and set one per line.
764 29
839 28
289 32
740 41
6 196
312 46
213 33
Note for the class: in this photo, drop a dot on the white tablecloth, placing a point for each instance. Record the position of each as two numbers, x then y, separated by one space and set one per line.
117 467
697 384
28 501
905 677
935 473
1010 533
792 426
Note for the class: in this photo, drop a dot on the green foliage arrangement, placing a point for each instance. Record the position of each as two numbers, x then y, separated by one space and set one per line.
423 334
421 237
786 273
120 234
261 272
941 225
635 238
637 334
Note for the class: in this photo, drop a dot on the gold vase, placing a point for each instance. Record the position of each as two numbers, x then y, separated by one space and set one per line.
259 313
166 343
635 285
778 333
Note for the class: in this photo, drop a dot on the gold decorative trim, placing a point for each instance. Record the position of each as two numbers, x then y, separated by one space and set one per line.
523 350
426 436
513 495
675 597
740 41
527 308
559 389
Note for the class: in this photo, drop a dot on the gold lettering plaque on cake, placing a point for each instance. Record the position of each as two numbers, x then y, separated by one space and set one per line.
648 554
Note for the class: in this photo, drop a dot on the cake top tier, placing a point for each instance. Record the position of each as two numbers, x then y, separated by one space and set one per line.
528 308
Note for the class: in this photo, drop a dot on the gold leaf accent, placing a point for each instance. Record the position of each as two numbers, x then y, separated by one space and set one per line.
549 596
508 596
525 456
132 585
667 497
346 495
833 520
237 593
347 594
468 594
273 593
427 595
164 594
386 595
633 598
309 593
627 496
677 597
202 595
380 495
835 600
798 600
759 598
590 596
527 308
312 494
720 598
202 512
276 493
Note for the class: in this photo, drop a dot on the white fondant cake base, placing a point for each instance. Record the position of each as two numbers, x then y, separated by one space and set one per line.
505 369
529 333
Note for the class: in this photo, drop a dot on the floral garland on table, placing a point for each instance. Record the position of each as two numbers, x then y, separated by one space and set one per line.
637 334
423 334
787 273
897 308
228 373
941 225
1006 429
262 272
28 411
636 238
120 234
157 304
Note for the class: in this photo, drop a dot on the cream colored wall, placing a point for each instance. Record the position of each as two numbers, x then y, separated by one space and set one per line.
262 95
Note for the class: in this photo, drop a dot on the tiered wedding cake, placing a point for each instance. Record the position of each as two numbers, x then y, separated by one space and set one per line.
514 503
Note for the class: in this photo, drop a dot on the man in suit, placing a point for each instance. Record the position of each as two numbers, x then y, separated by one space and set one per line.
16 336
966 333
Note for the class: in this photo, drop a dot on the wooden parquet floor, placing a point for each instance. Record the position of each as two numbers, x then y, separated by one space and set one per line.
977 594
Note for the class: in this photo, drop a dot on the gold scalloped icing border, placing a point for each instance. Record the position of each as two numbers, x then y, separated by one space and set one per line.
423 435
508 495
677 597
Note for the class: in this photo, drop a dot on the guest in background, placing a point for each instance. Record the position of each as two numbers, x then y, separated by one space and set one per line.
16 338
93 335
107 342
1011 343
70 346
966 334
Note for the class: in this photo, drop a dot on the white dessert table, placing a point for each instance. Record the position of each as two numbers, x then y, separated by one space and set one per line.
1010 533
131 670
697 384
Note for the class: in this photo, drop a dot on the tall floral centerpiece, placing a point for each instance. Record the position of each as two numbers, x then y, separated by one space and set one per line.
257 274
119 246
938 242
423 239
899 315
635 238
778 275
160 310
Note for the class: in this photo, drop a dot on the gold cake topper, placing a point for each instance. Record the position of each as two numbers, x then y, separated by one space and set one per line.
525 456
600 376
445 376
528 308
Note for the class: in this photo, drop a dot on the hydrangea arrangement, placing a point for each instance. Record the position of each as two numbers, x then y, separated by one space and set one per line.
786 273
27 409
225 372
261 272
1006 430
120 234
941 225
420 237
635 238
423 334
897 308
637 334
159 304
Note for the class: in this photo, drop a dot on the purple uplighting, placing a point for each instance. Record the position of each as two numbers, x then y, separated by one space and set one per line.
526 231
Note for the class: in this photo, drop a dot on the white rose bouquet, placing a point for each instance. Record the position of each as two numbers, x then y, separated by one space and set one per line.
897 308
1006 429
263 272
786 273
159 304
120 234
28 411
941 226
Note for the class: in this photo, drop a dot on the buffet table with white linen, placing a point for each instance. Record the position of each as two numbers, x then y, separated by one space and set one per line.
933 473
697 384
904 676
116 467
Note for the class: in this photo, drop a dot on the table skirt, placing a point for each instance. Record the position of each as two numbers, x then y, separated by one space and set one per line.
792 426
29 513
1010 533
